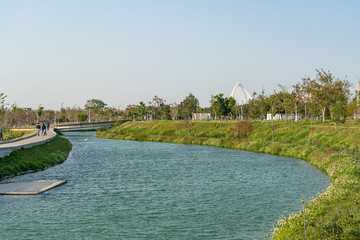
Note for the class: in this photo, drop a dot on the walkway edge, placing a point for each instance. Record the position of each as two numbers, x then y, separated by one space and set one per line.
7 151
18 139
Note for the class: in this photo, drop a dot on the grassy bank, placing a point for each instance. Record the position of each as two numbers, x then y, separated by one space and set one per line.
35 158
332 215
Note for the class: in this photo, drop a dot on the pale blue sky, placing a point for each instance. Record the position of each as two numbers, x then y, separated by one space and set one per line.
124 52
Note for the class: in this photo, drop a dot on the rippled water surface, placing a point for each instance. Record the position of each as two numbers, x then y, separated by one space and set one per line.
141 190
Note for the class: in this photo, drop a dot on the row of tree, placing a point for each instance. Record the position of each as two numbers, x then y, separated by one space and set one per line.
323 97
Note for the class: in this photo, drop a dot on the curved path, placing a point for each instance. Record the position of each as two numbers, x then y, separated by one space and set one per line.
7 147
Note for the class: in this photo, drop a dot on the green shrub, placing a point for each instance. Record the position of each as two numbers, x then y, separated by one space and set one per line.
35 158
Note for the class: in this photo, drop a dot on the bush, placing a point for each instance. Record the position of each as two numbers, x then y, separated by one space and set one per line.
35 158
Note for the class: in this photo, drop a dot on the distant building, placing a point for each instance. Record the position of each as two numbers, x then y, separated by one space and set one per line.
281 117
276 116
201 116
240 95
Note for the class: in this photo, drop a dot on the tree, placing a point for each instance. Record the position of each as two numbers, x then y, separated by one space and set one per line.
298 98
322 90
156 104
304 93
82 117
165 112
219 106
2 115
340 96
111 113
330 93
131 112
174 111
290 105
191 104
95 104
39 112
258 106
274 102
254 110
141 110
352 108
283 98
231 106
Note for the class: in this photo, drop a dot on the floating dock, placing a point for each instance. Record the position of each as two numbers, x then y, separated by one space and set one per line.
29 188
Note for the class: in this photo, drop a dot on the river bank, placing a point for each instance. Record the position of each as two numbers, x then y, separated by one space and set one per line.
332 215
35 158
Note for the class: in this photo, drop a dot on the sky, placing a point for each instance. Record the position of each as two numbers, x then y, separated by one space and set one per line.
57 53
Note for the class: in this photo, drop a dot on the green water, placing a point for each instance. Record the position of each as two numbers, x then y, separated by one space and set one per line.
141 190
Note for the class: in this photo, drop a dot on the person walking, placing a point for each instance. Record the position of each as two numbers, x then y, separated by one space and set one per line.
38 129
47 125
43 128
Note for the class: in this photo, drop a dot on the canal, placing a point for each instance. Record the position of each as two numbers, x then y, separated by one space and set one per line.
145 190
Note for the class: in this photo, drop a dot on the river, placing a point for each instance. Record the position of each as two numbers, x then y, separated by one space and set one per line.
145 190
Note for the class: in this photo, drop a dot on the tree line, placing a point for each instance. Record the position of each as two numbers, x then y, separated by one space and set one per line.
324 97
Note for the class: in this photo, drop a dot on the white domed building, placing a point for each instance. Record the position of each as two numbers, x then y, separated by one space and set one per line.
240 94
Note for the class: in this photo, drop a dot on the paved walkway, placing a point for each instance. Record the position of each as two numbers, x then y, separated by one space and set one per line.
7 147
27 140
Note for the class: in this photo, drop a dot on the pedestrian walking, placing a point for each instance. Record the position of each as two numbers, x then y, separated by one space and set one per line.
38 129
47 125
43 128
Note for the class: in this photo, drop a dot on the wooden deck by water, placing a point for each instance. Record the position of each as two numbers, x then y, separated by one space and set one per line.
29 188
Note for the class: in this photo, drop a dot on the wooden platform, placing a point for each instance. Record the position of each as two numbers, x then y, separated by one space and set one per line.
28 188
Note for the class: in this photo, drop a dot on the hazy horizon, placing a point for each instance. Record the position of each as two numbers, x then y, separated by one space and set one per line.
124 52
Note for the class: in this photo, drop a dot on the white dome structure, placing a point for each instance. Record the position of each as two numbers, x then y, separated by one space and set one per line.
240 94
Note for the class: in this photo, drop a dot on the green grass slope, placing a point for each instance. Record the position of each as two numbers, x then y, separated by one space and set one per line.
35 158
332 215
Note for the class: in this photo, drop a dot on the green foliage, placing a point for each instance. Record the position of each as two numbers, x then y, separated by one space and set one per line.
10 135
2 115
141 110
95 104
191 104
230 105
35 158
39 111
258 106
219 105
82 117
165 112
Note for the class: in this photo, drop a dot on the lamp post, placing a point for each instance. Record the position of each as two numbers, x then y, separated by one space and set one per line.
303 203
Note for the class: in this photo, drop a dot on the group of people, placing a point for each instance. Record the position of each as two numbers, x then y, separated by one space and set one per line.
43 128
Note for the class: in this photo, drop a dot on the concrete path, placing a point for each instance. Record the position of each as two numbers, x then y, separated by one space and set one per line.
26 142
29 188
